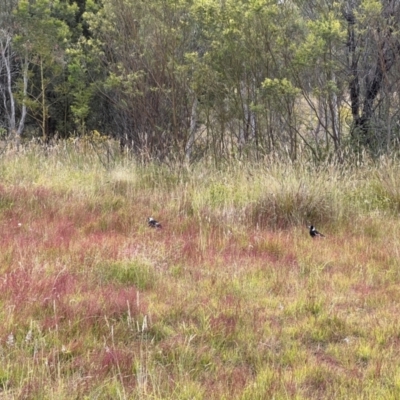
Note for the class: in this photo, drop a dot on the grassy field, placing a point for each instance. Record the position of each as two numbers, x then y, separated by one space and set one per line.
231 299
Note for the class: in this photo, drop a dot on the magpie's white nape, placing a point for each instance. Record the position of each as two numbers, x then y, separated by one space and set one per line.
314 233
153 223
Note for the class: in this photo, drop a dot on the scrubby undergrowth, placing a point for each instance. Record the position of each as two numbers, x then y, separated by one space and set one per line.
230 299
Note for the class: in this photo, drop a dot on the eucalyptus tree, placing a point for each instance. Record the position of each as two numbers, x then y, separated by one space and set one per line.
239 48
11 67
346 68
41 38
141 47
318 71
373 61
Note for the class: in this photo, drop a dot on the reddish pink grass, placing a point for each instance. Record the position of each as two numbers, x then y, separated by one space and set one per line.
34 282
51 248
61 298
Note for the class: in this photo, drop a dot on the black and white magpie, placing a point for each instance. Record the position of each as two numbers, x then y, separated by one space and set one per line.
153 223
314 233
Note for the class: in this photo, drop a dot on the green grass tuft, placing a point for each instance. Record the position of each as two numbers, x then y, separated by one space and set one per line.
138 273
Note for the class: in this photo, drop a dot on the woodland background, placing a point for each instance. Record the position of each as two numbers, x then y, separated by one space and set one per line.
188 79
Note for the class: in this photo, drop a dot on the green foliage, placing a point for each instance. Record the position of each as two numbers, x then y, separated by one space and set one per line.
42 37
82 91
184 79
277 87
324 35
370 10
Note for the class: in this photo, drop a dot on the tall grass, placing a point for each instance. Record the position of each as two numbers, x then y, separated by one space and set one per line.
230 299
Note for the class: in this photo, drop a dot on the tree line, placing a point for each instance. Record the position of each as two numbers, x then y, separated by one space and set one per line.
204 78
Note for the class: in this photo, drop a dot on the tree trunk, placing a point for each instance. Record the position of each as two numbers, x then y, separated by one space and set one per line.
192 131
370 75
